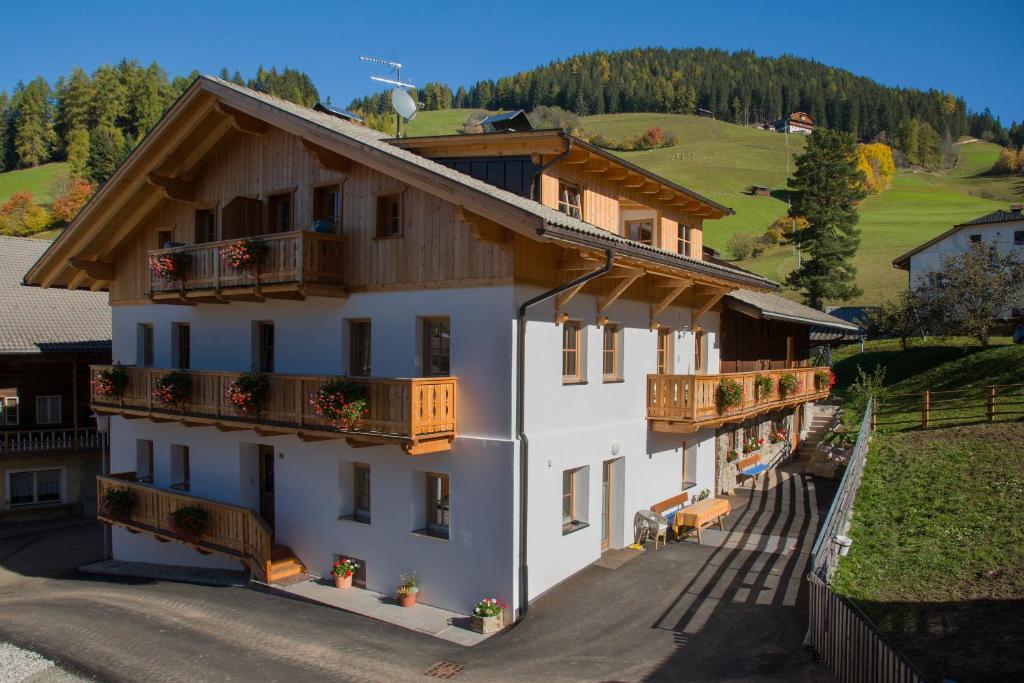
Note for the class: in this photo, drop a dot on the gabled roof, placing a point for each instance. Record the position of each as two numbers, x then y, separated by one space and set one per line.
999 216
90 238
774 307
34 320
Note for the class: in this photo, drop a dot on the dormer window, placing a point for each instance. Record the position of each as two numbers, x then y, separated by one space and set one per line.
640 231
570 199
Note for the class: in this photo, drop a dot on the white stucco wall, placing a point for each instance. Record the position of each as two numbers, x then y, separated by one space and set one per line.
930 258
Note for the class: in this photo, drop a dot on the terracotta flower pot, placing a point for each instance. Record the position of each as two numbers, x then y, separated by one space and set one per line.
343 581
406 599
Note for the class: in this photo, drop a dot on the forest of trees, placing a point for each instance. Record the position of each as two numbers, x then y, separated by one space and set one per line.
739 87
94 120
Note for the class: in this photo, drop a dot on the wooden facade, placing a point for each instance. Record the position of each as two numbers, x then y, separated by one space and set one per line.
749 344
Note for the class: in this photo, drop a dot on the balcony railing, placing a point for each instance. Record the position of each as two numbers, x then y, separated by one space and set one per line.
233 531
417 413
29 441
691 401
296 263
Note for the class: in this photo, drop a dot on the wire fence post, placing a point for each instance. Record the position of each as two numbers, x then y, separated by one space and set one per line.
990 407
926 408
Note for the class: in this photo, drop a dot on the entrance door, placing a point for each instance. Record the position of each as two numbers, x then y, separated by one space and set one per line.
267 485
794 438
606 504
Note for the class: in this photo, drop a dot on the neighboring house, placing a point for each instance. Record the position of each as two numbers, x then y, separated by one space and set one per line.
797 122
531 320
507 122
1003 230
49 447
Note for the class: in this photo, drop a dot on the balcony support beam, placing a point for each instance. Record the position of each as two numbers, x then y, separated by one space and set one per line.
713 299
626 280
97 270
173 188
678 288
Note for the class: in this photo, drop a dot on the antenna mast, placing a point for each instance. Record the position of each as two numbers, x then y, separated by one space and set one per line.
397 68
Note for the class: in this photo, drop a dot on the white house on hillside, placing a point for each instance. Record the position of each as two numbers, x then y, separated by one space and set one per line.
531 321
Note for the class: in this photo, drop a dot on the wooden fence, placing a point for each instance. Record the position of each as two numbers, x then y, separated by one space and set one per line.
25 441
927 409
844 638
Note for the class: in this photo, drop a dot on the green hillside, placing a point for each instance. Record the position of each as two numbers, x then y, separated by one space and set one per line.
441 122
37 180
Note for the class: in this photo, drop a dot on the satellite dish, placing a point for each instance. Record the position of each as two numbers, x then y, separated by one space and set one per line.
404 104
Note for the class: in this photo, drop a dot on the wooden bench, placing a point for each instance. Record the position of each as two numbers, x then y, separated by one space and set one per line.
701 514
668 504
751 467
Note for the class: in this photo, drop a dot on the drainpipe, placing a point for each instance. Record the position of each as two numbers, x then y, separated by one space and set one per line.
524 442
534 187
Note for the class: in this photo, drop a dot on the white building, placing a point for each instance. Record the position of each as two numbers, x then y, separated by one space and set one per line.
797 122
1003 230
533 377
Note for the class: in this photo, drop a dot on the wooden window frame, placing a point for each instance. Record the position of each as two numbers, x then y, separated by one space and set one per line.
354 363
576 376
684 239
318 208
614 332
699 359
259 352
442 505
273 197
382 225
9 405
664 363
360 514
186 470
62 479
641 221
139 476
147 345
567 207
48 399
425 325
576 521
164 232
212 212
182 352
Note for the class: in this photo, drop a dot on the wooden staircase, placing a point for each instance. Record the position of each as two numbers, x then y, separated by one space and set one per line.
283 564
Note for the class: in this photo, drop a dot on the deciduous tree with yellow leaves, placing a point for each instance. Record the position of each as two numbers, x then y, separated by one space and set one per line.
875 160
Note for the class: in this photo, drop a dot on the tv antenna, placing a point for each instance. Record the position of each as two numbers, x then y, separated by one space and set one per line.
405 107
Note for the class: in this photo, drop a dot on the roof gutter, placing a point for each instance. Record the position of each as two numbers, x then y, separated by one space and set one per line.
534 187
524 441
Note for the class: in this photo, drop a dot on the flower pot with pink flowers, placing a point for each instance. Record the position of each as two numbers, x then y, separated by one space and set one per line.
340 402
343 570
245 256
488 616
248 392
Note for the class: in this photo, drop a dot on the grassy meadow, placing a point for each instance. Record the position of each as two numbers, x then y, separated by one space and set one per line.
37 180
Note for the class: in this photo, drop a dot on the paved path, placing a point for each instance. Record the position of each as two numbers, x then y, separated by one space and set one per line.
732 609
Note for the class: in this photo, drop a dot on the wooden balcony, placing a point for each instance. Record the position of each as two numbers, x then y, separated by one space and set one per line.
417 414
233 531
297 264
46 441
686 403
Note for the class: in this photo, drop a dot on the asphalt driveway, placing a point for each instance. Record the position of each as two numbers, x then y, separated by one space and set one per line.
732 609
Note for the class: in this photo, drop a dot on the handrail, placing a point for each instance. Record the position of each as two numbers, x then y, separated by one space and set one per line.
45 440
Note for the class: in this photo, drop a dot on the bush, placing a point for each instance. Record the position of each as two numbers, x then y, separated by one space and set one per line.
119 503
741 245
71 200
762 386
728 394
20 216
788 384
111 383
190 522
248 392
174 388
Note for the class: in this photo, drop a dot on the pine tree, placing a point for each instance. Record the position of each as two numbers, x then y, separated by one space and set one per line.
33 123
826 186
107 150
4 130
77 148
74 102
110 98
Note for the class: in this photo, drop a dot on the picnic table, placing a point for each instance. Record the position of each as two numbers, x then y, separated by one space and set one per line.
701 514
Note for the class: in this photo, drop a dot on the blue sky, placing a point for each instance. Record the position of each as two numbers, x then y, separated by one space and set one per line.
973 51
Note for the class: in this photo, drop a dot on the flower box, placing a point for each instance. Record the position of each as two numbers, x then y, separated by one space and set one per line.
487 625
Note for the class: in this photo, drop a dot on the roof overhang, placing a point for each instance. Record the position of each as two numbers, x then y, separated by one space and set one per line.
755 311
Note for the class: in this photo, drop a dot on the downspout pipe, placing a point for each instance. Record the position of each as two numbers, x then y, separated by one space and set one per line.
534 187
524 442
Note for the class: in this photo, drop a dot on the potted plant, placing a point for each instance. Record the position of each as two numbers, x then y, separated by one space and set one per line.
824 379
408 589
340 402
487 616
778 436
248 392
728 394
173 388
245 255
732 456
171 266
787 384
111 382
119 503
762 387
343 570
702 495
189 523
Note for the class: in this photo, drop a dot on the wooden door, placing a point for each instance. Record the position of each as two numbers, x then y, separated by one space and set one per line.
606 504
267 485
790 352
794 437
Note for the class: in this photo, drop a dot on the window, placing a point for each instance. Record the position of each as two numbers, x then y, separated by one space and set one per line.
664 351
180 475
10 413
265 347
163 237
205 226
144 461
698 353
640 231
327 206
689 466
389 215
361 497
684 240
146 348
33 487
570 199
279 210
975 238
359 348
437 504
575 484
611 353
571 352
1018 237
436 347
48 410
182 343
